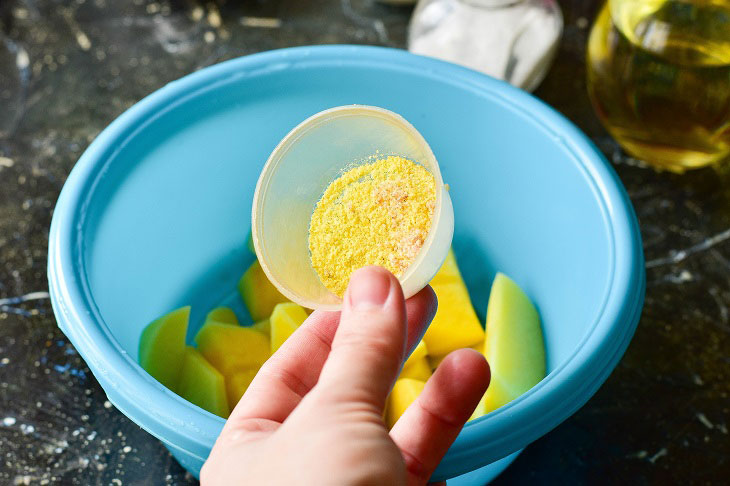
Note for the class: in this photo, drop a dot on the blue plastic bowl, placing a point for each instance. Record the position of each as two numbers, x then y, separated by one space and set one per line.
156 213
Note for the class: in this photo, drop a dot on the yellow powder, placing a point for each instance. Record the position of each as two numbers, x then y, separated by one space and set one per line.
374 214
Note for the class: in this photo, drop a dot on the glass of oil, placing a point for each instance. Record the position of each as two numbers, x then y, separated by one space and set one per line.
659 79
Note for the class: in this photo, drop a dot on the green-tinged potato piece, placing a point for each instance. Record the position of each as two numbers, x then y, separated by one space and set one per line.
162 346
514 344
201 384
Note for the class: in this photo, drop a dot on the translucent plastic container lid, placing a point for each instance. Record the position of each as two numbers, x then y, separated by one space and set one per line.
300 168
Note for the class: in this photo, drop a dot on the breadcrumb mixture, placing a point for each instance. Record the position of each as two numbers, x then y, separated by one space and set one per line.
374 214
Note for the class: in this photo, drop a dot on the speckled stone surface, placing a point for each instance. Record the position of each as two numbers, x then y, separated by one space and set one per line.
68 68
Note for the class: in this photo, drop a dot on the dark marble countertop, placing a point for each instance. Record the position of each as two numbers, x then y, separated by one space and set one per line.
68 68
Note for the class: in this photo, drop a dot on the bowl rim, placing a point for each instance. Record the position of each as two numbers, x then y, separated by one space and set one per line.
185 426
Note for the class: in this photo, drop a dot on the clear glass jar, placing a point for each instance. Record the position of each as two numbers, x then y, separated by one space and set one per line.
659 79
514 40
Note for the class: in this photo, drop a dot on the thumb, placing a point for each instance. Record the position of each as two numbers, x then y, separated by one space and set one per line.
369 345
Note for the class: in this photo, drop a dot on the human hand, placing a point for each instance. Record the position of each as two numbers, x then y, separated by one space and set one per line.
313 414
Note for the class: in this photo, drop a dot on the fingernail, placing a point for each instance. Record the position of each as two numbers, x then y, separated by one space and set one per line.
369 287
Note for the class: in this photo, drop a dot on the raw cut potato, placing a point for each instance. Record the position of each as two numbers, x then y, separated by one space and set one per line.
221 314
416 366
420 370
419 352
449 271
263 326
162 346
455 325
514 344
259 295
237 384
201 384
285 319
231 348
405 391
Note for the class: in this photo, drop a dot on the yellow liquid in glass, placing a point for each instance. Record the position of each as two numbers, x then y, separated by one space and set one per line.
659 79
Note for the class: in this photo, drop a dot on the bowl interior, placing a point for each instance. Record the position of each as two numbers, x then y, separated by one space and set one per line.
167 223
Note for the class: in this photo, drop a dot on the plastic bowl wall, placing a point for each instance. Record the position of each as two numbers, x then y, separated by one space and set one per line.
156 213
